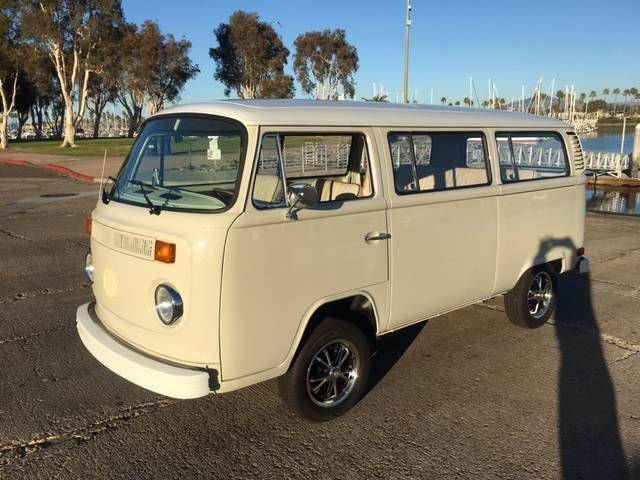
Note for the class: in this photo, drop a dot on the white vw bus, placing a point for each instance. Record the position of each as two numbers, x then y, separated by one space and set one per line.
246 240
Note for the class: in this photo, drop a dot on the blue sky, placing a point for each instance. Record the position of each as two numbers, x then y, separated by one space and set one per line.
587 43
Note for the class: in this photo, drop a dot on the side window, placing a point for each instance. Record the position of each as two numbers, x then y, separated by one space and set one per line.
337 165
267 188
438 161
530 155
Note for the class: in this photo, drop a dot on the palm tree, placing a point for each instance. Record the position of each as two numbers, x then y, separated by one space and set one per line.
467 101
616 92
560 95
605 93
485 104
583 97
443 100
592 96
633 92
625 94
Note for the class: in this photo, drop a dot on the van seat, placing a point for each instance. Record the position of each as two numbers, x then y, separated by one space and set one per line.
268 188
330 190
457 177
463 177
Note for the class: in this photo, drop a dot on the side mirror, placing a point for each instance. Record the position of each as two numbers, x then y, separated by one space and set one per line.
301 195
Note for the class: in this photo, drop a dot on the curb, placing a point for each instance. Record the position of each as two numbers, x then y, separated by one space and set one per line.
67 172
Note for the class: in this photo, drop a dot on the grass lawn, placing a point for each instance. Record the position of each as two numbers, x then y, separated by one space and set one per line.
90 147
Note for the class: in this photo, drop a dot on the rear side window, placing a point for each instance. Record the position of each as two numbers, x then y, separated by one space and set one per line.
530 156
438 161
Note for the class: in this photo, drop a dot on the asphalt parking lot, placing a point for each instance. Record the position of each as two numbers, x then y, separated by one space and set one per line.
465 395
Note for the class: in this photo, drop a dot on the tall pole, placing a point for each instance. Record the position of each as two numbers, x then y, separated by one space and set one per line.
405 94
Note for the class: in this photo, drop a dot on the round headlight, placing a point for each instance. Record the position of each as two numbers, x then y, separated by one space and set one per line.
88 266
168 304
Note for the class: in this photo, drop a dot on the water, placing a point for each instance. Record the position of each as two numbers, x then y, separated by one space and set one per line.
608 140
613 201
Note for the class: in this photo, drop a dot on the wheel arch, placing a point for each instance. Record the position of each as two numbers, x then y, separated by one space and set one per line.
555 262
358 307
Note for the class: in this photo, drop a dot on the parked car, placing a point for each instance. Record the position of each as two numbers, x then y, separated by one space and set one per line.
312 230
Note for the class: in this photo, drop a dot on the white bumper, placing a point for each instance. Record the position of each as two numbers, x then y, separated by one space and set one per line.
154 375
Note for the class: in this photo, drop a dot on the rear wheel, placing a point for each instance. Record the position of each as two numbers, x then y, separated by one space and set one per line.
533 299
330 373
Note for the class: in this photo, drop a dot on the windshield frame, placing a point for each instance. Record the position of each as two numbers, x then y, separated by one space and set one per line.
244 138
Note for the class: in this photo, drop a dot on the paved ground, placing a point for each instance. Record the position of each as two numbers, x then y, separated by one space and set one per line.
465 395
89 168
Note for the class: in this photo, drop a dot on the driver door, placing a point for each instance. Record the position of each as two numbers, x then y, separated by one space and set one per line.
276 268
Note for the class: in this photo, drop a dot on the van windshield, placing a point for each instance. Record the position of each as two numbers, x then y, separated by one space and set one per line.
183 163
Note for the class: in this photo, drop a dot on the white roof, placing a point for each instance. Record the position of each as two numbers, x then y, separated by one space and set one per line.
348 113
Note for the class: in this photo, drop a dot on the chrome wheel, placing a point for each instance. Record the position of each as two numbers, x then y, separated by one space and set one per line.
332 373
540 294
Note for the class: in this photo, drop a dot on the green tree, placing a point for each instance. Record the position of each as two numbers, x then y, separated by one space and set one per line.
457 104
24 99
160 72
101 93
173 70
250 58
10 64
605 94
133 79
597 106
72 33
467 101
324 61
443 100
45 89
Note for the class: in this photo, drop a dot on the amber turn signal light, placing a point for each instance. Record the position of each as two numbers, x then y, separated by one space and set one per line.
165 252
88 223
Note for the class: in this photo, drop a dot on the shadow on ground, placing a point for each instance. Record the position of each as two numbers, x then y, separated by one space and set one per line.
590 443
390 350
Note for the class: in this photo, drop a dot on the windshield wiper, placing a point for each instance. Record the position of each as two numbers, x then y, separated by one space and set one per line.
153 208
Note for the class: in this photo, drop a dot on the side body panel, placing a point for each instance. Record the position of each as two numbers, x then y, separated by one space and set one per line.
443 245
539 221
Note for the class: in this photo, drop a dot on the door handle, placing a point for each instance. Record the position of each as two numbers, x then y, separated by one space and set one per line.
373 236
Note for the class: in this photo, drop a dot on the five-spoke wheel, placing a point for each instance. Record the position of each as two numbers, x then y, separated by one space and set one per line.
533 299
330 372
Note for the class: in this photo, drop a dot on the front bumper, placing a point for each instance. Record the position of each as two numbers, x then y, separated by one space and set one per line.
147 372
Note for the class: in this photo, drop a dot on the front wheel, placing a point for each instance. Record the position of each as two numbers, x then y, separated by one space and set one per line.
330 373
533 299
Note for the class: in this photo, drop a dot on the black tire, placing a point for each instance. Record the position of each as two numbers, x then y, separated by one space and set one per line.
520 302
295 389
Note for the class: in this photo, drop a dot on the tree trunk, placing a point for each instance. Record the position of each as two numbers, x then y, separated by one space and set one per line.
69 127
22 119
36 119
134 121
4 136
96 124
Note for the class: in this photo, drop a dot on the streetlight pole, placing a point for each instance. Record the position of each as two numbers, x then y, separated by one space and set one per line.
405 95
